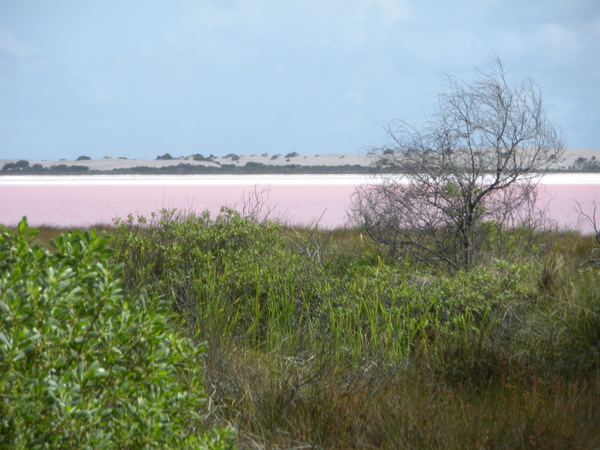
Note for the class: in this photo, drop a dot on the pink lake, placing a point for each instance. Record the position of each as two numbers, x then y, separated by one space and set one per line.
303 199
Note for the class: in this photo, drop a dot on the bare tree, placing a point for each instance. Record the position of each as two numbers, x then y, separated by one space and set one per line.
255 204
439 192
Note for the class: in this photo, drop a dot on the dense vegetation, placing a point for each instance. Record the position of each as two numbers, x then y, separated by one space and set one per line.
85 365
316 338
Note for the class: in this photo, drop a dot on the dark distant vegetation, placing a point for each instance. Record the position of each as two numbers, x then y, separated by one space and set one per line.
226 169
18 166
64 168
248 168
317 339
83 158
582 164
23 167
199 157
186 169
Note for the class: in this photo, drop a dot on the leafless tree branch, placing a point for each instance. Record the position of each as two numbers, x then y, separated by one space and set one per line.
438 191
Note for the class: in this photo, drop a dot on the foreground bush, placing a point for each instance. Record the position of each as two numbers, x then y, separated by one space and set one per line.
82 365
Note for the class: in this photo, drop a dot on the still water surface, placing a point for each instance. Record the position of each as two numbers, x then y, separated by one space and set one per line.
301 199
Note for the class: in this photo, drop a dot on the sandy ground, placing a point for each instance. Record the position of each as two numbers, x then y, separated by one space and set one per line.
330 159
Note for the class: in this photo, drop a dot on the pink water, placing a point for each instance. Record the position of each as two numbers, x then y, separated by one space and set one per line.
85 201
86 205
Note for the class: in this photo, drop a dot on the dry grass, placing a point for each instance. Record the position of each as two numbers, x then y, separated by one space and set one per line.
274 403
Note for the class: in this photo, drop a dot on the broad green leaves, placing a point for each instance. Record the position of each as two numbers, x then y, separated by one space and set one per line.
83 365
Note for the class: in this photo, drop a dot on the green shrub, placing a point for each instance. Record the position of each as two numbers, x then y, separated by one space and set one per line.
82 365
215 269
232 278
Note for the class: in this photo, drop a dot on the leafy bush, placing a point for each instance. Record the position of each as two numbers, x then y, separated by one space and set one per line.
82 364
83 158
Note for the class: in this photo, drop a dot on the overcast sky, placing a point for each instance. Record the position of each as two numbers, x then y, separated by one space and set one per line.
140 78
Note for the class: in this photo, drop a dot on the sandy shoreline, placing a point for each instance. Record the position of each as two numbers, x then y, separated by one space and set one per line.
331 159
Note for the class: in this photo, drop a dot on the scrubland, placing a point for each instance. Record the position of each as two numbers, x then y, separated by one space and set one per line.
317 339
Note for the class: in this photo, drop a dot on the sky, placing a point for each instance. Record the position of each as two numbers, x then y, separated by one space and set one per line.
141 78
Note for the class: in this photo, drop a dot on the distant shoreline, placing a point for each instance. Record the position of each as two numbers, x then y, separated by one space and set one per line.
575 160
554 178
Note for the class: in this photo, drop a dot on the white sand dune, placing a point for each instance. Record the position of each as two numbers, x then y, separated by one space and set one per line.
330 159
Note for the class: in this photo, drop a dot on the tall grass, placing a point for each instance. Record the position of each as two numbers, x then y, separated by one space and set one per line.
317 339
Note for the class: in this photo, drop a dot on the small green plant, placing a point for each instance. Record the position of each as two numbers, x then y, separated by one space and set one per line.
83 365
